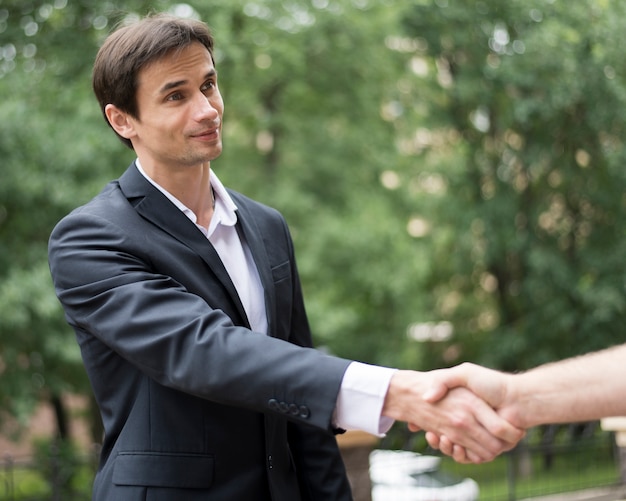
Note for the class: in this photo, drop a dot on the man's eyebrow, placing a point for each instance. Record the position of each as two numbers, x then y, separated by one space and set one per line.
179 83
172 85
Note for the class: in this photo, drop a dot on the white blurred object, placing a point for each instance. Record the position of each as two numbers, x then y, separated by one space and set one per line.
408 476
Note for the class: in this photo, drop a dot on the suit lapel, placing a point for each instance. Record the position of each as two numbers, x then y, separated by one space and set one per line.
152 205
252 235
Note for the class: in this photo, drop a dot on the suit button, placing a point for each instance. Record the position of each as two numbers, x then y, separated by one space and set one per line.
304 412
273 404
294 410
284 408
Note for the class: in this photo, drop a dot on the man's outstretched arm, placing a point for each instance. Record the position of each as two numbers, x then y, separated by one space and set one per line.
582 388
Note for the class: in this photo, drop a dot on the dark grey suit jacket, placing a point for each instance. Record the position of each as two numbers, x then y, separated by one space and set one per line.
195 406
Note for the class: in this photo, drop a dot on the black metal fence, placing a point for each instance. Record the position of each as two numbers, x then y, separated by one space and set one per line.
554 459
57 474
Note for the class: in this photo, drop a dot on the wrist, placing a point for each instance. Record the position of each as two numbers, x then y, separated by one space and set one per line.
405 387
516 406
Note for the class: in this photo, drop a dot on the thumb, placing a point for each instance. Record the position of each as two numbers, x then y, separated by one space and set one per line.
435 393
443 380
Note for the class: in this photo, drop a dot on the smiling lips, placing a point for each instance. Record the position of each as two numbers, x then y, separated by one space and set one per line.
208 134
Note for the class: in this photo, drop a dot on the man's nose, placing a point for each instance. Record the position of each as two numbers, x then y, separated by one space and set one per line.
205 108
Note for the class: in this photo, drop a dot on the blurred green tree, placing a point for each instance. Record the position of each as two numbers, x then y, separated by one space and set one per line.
56 155
526 119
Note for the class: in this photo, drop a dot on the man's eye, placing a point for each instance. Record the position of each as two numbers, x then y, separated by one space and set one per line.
175 97
208 86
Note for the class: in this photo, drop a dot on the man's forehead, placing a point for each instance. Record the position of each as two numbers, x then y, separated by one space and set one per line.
192 61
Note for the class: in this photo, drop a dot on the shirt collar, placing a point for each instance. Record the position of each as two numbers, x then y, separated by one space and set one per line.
225 208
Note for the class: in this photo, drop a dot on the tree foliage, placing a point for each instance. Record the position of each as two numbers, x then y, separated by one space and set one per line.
529 97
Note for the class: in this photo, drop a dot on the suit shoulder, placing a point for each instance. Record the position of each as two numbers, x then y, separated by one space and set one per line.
109 195
110 204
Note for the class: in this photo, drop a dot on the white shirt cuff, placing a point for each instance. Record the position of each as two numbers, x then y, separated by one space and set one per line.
361 398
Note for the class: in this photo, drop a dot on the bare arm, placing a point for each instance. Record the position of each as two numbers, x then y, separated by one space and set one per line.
582 388
579 389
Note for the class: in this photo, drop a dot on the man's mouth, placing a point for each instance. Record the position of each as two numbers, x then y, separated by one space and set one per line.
207 134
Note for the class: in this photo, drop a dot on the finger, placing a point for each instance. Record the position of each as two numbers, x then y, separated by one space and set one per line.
459 454
432 439
469 429
491 434
414 428
435 393
446 446
498 426
472 457
443 381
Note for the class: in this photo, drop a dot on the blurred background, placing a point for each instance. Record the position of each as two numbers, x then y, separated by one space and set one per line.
452 172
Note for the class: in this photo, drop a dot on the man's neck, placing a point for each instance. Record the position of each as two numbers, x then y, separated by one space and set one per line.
190 185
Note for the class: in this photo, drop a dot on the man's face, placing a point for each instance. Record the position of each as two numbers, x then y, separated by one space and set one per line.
180 111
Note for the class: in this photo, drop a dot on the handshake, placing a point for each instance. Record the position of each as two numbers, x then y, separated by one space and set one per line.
474 414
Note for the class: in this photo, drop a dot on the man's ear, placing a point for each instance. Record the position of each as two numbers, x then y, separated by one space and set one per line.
120 121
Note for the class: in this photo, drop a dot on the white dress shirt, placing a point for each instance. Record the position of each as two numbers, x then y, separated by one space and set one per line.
363 389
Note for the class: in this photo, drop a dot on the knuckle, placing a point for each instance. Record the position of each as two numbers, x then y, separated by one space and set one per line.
460 421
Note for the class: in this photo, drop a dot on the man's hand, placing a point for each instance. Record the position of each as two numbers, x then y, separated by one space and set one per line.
461 417
491 386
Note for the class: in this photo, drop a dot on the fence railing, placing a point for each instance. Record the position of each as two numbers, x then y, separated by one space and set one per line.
55 476
554 459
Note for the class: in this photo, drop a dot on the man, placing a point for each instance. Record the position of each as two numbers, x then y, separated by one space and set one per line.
188 310
583 388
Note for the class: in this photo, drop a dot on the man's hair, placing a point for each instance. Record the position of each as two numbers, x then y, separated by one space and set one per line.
130 48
